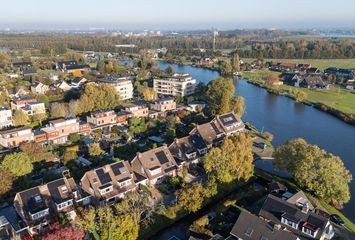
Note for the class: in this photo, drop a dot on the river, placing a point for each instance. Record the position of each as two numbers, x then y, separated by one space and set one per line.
286 120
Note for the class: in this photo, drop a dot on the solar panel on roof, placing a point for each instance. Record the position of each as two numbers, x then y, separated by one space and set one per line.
162 157
118 168
104 177
215 128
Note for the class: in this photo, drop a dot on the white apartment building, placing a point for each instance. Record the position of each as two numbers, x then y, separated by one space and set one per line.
176 85
5 117
122 84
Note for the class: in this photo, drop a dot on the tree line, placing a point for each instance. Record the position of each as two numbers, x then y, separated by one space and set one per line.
249 46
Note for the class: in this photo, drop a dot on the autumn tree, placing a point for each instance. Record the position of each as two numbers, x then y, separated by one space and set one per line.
149 94
35 151
6 179
70 153
169 70
63 232
226 68
134 205
221 98
232 161
300 96
97 97
315 170
40 117
59 110
235 62
190 198
104 224
239 105
95 150
20 118
19 164
272 81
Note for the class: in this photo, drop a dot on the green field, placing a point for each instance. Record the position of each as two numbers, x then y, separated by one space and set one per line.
319 63
340 99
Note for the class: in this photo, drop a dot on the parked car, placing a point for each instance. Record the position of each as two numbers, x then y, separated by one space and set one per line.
260 145
335 218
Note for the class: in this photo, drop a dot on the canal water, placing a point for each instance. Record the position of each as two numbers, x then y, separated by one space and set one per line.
286 120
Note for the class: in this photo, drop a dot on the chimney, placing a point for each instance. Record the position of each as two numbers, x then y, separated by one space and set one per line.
305 208
277 226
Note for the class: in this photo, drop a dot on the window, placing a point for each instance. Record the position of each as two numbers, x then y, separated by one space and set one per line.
39 214
125 183
38 198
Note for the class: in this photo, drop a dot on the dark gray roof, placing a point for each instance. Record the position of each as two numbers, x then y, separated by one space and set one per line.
57 195
198 142
228 119
274 208
30 204
12 217
251 227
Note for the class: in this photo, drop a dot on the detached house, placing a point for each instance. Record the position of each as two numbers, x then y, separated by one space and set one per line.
251 227
39 88
63 85
313 82
18 103
296 218
78 81
109 183
40 205
155 164
14 137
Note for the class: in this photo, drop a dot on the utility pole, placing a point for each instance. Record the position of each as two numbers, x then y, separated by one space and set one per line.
215 33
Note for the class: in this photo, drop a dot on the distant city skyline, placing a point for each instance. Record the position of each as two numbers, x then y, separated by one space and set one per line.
176 15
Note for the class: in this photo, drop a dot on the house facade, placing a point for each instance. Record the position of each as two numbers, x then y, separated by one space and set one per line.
123 85
39 88
102 118
5 118
176 85
14 137
163 105
59 130
137 110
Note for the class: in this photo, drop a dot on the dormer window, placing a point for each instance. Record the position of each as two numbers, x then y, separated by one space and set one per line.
38 199
64 189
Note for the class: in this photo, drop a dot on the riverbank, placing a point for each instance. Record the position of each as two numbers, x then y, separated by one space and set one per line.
323 100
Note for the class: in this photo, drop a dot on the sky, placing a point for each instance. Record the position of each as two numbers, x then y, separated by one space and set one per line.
177 14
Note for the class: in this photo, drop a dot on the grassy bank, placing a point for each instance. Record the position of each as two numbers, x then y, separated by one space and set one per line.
339 99
319 63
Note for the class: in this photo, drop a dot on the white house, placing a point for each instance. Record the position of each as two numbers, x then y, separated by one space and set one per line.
5 117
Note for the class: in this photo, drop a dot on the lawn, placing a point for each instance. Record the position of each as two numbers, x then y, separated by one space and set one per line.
319 63
340 99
